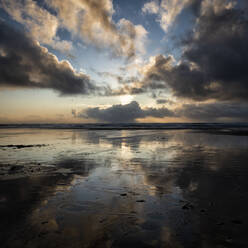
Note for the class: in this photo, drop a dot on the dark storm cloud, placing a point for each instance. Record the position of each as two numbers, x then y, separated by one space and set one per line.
24 63
218 111
124 113
207 112
214 60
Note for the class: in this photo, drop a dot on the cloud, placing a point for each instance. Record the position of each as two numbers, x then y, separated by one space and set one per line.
24 63
41 24
124 113
151 7
119 78
134 36
162 101
92 20
167 10
203 112
214 59
216 6
206 112
214 111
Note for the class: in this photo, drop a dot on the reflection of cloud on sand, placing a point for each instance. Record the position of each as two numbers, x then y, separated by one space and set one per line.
126 189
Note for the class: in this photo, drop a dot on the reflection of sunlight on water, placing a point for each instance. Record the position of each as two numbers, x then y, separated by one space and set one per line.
124 177
126 152
104 144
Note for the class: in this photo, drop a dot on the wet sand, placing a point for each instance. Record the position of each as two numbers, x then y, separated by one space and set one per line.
123 188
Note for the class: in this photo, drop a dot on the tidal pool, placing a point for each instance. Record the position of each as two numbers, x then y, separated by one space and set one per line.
123 188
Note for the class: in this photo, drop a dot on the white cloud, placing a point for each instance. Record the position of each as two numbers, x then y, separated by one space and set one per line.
151 7
167 11
40 23
91 20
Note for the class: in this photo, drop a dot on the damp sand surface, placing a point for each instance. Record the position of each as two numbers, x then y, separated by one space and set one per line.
123 188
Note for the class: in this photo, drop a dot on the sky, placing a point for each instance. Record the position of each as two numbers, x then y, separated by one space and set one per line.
87 61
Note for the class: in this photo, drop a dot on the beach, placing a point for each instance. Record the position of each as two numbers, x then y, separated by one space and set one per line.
123 188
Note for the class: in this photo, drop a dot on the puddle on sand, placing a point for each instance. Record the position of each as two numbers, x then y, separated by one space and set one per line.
124 189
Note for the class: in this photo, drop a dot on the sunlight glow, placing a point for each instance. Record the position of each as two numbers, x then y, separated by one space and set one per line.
125 99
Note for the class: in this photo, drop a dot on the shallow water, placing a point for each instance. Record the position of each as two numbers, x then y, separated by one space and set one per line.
123 188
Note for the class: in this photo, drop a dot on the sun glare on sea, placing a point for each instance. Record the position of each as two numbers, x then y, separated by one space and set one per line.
125 99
